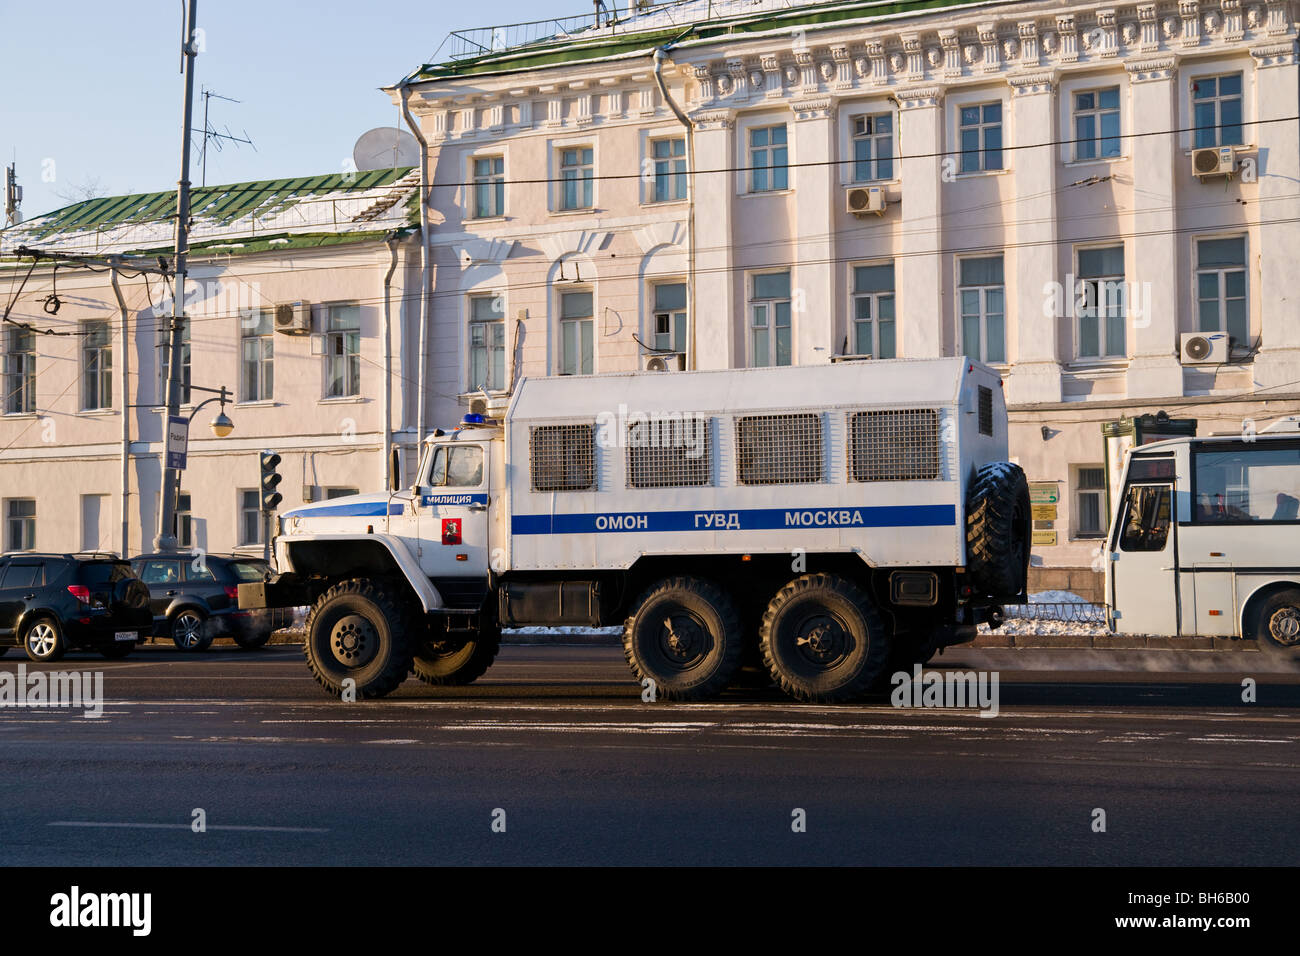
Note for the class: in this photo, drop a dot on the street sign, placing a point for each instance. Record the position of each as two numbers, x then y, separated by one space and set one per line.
1044 493
1044 537
178 437
1043 512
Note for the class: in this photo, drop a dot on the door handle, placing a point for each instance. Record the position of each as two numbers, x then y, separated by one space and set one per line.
28 597
478 507
171 593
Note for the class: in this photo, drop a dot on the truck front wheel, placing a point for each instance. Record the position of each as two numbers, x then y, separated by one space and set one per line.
444 662
823 640
356 631
685 637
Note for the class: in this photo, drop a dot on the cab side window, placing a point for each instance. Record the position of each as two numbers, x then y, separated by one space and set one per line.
457 467
1146 518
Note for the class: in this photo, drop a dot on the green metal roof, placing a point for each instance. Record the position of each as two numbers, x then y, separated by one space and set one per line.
554 51
217 204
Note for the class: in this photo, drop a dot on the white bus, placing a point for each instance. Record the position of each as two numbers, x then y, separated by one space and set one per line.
1205 539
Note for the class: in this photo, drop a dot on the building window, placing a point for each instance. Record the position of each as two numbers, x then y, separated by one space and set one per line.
20 372
1090 502
489 186
343 351
873 147
332 493
576 169
577 332
669 330
96 366
487 342
1221 288
670 169
257 373
165 353
983 309
20 524
768 159
1216 110
184 528
250 517
1096 124
873 311
980 132
769 320
1101 311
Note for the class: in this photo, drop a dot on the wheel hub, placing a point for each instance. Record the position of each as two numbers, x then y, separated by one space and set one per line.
821 640
681 639
1286 626
354 641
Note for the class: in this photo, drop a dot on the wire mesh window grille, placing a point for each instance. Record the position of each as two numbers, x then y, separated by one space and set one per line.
897 444
563 457
986 410
669 452
779 449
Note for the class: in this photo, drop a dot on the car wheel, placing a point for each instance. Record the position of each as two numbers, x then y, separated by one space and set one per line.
44 640
1279 620
187 630
251 642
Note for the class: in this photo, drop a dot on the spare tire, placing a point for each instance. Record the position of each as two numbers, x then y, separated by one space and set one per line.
130 593
999 527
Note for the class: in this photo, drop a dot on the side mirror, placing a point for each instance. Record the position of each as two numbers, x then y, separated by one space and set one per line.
395 469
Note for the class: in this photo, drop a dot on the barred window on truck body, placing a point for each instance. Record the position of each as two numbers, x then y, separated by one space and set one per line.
563 457
669 452
986 410
896 444
779 449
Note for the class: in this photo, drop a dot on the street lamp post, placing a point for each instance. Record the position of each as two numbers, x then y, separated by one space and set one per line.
221 427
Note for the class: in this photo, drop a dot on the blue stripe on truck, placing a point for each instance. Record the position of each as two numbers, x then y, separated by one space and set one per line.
751 519
369 509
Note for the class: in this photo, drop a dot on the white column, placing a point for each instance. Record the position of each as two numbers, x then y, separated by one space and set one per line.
1154 369
918 273
1278 245
1033 335
814 244
715 315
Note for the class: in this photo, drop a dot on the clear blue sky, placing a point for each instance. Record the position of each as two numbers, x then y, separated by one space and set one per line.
95 86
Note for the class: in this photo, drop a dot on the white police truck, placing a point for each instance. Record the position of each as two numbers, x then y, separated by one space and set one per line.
818 525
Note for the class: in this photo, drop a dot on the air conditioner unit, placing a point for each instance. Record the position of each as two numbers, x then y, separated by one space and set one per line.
866 199
1214 161
666 362
1204 348
293 318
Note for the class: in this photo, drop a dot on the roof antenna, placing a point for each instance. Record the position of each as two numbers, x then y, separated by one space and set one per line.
211 134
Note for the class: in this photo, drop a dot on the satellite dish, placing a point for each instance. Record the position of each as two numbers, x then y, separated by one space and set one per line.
386 148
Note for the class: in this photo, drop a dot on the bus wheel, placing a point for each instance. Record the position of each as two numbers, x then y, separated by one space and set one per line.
823 640
1279 620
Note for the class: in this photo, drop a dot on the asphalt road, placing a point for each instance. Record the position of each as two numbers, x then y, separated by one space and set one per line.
557 742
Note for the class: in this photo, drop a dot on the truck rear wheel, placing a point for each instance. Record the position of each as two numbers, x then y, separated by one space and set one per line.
357 631
998 529
823 640
447 663
685 636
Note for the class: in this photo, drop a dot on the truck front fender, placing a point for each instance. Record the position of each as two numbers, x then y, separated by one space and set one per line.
352 555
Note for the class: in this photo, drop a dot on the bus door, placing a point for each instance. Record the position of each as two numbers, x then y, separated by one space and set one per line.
1144 572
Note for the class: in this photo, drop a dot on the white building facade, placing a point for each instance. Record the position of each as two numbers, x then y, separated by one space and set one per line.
1040 209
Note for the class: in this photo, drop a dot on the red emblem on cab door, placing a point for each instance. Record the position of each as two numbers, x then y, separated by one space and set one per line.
451 531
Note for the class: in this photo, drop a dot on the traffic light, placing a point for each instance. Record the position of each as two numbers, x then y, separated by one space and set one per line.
270 478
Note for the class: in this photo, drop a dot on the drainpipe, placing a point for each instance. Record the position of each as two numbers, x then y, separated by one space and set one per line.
126 412
391 239
660 55
425 259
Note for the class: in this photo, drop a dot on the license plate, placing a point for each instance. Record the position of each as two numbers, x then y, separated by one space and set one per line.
126 635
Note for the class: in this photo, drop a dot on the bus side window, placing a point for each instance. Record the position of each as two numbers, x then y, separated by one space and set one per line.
1146 518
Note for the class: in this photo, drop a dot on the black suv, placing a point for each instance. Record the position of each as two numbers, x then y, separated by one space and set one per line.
196 598
53 603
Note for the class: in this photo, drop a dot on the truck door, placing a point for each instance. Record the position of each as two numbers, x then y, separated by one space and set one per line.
1144 574
454 512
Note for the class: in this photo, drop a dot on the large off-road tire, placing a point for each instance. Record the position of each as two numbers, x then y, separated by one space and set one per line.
357 630
1278 621
685 636
251 642
43 640
998 530
823 639
445 662
188 629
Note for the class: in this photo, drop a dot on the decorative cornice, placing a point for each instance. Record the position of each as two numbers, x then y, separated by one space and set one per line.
1153 68
1275 54
919 96
813 108
705 120
1032 84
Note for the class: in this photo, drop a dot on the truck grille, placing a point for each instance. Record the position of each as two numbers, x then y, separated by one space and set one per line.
894 445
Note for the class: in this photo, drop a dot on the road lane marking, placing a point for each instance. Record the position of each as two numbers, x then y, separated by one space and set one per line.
95 824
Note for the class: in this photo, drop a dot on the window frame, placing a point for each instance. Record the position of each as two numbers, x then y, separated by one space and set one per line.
490 326
19 398
587 182
980 102
27 524
1104 317
1194 129
243 512
678 319
102 374
563 323
264 362
984 313
873 138
164 362
1078 494
1221 273
772 168
677 176
874 319
494 182
351 376
771 305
